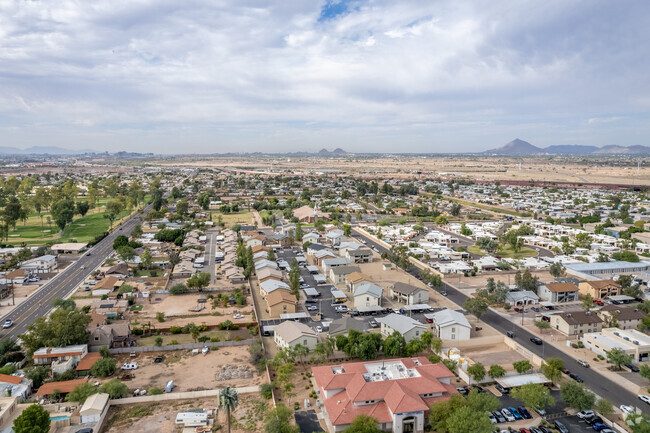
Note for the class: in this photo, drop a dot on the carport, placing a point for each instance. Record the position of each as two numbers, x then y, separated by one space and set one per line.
320 279
294 316
310 291
522 379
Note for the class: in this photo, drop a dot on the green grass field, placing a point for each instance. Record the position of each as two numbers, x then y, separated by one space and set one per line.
230 219
506 252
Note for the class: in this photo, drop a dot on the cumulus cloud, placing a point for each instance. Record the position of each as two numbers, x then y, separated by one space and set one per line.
370 75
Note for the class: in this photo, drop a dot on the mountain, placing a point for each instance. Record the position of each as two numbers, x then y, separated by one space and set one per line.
336 152
516 147
520 147
570 149
42 150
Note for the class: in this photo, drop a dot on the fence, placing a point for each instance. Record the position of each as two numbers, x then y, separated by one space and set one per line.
181 346
179 396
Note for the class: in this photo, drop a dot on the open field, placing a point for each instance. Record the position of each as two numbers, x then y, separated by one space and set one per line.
552 169
230 219
506 252
159 417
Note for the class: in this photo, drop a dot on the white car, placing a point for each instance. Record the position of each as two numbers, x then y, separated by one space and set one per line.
626 409
312 308
8 324
130 366
507 415
583 414
644 398
238 316
319 329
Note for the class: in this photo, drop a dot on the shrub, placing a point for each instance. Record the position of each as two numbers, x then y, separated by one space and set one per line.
137 331
158 341
238 338
155 391
174 342
215 340
160 316
175 329
266 390
153 273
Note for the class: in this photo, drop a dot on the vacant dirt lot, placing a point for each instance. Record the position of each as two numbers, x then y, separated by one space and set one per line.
194 372
496 354
160 417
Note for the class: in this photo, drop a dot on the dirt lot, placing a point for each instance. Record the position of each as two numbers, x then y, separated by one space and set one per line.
159 417
193 372
495 354
470 284
21 293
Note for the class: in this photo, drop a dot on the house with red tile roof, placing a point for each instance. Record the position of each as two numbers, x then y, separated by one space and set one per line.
396 392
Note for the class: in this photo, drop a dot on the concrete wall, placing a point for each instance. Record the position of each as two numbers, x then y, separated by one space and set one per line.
180 346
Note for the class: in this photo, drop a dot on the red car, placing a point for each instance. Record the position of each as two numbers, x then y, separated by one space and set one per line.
599 302
428 320
524 430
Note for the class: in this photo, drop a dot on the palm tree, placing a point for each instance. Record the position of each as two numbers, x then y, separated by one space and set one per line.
228 399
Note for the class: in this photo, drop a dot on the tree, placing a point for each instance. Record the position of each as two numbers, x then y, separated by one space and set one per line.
301 352
278 420
115 389
126 253
475 306
476 371
146 258
270 255
363 424
638 422
228 400
178 289
522 366
441 220
526 281
542 324
120 241
604 407
82 207
64 327
66 304
644 371
557 270
618 357
482 402
440 412
34 419
496 371
199 281
577 396
113 209
466 420
62 212
81 392
414 347
38 375
103 367
533 395
394 345
136 232
587 302
552 369
174 258
182 207
104 352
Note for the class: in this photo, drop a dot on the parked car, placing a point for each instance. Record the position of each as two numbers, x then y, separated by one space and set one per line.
373 324
510 334
576 377
626 409
310 301
593 420
599 302
479 389
501 389
524 430
535 430
545 429
633 367
158 359
583 363
535 309
515 413
537 341
238 316
566 371
583 414
428 320
85 430
540 411
524 412
561 427
319 329
508 415
644 398
8 324
462 391
599 426
312 308
493 420
499 416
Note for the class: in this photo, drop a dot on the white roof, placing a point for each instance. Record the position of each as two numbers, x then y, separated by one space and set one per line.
270 285
400 323
94 404
522 379
450 317
368 289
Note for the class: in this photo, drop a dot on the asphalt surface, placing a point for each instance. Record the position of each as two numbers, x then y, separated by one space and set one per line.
601 385
40 302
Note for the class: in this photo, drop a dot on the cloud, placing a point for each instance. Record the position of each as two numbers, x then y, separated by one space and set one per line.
368 75
601 120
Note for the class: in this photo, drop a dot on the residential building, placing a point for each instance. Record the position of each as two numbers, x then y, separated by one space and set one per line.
337 274
409 328
15 386
368 294
522 297
113 335
307 214
93 408
396 392
327 264
290 333
343 325
48 355
270 285
269 274
361 255
450 325
576 323
280 302
312 237
40 265
61 389
355 279
631 341
599 289
558 292
335 237
409 294
615 316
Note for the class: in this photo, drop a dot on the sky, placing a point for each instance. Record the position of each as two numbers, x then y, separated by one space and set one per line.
169 76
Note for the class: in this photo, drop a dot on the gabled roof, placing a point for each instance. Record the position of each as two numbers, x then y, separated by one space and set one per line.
600 284
290 331
371 289
561 287
579 317
7 378
279 297
400 323
356 277
449 317
60 387
405 289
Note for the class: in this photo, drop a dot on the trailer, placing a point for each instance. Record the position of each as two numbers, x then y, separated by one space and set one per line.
169 387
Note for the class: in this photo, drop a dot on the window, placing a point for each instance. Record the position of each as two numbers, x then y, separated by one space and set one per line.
453 329
453 336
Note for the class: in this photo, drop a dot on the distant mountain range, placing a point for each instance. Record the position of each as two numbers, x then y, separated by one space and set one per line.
335 152
521 147
42 150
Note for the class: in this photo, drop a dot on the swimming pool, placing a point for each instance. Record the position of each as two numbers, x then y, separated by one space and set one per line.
58 418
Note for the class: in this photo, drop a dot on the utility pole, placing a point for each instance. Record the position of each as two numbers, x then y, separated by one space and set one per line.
13 296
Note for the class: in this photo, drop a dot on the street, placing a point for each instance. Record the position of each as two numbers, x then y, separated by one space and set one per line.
599 384
39 303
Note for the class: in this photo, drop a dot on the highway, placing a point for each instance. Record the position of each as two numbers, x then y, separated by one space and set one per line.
601 385
64 283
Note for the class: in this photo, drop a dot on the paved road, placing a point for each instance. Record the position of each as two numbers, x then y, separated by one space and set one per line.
39 303
598 383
